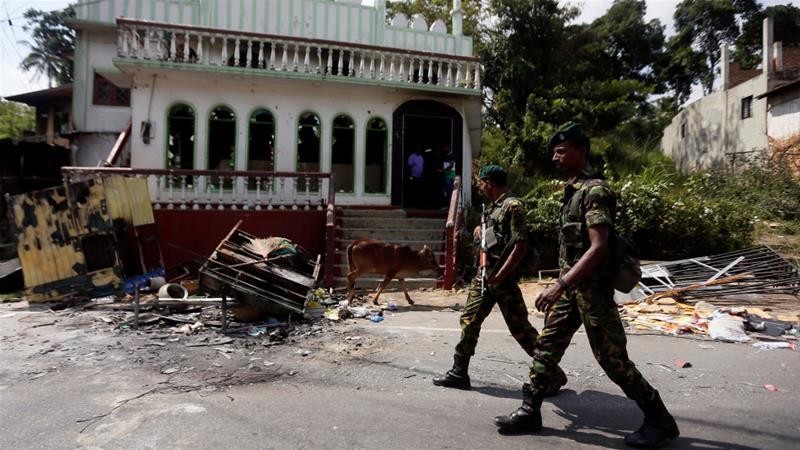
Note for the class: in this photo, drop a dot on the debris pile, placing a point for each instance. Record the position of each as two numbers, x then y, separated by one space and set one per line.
272 274
729 324
727 277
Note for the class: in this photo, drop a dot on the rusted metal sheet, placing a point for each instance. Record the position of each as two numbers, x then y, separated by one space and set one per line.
67 243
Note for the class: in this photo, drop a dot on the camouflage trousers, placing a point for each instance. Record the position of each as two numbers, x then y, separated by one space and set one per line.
594 307
509 298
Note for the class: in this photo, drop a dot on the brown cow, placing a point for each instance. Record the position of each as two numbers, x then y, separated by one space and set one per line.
390 260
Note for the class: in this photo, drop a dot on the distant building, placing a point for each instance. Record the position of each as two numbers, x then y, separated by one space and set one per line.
735 123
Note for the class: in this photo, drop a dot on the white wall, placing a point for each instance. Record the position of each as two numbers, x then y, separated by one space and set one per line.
715 129
95 49
783 118
287 99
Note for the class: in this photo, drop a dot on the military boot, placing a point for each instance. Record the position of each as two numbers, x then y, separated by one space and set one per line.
456 377
527 417
659 426
558 381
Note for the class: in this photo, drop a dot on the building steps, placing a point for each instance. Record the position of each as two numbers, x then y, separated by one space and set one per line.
392 226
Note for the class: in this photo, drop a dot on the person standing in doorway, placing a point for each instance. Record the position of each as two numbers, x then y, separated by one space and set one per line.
416 170
448 174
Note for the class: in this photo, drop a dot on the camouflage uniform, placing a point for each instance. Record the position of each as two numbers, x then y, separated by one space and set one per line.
588 201
507 218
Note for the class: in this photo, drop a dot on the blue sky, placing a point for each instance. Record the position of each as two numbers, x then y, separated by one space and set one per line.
15 81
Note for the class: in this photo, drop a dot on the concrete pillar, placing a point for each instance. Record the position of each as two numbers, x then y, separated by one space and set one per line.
725 66
458 17
767 38
778 51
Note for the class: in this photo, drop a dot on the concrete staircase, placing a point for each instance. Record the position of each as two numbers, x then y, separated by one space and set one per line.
388 225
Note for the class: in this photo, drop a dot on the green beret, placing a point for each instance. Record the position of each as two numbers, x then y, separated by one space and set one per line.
572 133
492 170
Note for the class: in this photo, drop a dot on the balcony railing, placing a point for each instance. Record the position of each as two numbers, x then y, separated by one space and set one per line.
221 190
294 56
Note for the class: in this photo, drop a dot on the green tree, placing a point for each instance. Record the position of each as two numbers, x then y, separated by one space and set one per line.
15 119
787 30
541 71
52 46
439 9
701 27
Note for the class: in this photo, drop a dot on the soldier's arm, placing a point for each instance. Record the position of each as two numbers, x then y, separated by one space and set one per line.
517 229
510 264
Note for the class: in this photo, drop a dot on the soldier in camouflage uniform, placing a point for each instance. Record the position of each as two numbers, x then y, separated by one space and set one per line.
506 222
583 294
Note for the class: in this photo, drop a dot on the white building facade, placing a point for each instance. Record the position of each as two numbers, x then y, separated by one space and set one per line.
275 85
735 122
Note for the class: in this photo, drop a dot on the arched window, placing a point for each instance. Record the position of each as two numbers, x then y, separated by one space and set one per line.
309 128
221 139
342 151
375 157
261 143
180 137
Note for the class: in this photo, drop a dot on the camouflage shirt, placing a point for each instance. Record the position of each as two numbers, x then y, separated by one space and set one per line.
506 216
588 202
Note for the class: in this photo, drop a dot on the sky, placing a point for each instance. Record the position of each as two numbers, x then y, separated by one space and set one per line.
15 81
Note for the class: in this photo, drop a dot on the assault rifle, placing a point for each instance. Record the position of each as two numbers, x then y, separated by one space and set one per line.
484 257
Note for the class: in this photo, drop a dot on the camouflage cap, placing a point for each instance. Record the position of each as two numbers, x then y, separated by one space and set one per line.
491 171
572 133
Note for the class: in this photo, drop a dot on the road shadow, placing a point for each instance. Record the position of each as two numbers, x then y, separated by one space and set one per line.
602 420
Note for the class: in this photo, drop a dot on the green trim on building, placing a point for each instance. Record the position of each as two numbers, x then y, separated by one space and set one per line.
386 159
208 137
354 129
166 132
274 132
297 137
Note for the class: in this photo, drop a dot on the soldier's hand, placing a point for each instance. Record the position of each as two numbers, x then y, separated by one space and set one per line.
545 300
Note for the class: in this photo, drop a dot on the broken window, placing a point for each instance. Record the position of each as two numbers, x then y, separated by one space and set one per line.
107 94
309 128
180 137
261 143
375 157
221 143
747 107
342 153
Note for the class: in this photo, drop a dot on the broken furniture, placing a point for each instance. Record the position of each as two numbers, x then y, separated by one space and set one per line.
266 274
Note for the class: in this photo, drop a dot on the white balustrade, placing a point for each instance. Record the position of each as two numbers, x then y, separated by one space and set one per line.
137 40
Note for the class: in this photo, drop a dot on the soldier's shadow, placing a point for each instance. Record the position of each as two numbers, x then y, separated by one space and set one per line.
601 419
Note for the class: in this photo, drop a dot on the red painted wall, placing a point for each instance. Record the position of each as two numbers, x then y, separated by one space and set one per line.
186 234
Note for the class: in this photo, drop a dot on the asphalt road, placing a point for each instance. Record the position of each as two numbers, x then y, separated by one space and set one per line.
364 385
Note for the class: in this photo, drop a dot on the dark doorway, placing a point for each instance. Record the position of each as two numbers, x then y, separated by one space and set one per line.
431 128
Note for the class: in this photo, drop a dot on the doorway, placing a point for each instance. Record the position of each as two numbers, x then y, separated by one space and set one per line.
432 131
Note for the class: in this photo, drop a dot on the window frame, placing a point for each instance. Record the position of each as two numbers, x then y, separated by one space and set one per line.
297 138
385 169
113 91
746 107
166 132
208 134
354 130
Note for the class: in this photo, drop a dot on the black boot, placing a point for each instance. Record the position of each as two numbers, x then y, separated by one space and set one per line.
659 426
457 376
559 380
527 417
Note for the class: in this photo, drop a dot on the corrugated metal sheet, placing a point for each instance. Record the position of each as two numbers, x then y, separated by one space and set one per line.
67 242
